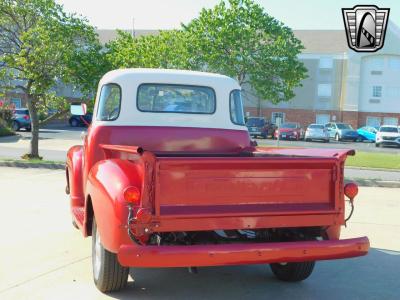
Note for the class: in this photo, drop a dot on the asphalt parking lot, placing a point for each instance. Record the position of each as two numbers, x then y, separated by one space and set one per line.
43 257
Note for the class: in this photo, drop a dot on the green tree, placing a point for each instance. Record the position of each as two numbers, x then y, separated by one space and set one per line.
166 50
41 46
241 40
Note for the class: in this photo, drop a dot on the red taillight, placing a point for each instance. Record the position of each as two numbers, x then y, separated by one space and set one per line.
351 190
132 195
26 117
143 215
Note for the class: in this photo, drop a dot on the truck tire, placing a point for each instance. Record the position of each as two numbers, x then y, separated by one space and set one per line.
294 271
108 274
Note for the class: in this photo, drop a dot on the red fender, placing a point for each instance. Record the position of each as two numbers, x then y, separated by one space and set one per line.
74 170
106 183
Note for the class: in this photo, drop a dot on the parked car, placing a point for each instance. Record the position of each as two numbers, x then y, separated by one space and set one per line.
388 135
290 131
341 131
21 120
367 133
316 132
79 121
185 189
259 127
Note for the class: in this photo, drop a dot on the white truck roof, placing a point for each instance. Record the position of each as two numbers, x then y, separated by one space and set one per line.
130 79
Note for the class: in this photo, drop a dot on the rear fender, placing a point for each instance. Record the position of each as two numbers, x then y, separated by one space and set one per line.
74 167
107 181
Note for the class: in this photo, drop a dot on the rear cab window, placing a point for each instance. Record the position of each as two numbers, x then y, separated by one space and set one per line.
171 98
109 102
236 107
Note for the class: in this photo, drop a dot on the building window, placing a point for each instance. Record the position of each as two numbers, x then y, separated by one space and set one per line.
373 121
16 102
394 63
278 118
390 121
392 91
324 90
377 91
325 63
376 63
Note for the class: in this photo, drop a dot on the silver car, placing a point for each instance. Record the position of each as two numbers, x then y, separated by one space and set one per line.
316 132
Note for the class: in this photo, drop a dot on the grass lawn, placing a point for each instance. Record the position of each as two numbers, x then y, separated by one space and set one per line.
375 160
4 131
33 161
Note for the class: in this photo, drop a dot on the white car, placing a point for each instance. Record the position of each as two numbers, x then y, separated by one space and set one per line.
388 135
316 132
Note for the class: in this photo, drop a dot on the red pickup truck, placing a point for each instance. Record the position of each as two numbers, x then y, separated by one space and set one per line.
168 177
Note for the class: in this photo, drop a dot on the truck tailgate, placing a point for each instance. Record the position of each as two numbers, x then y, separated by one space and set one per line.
246 186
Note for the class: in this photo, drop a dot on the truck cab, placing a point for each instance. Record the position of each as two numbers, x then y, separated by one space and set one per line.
167 176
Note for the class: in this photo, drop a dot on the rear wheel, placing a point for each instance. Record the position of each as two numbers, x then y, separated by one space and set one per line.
108 274
294 271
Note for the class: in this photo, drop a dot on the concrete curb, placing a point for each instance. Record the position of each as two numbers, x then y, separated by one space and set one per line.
27 165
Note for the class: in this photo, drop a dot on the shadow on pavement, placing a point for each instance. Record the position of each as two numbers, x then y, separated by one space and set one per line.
10 138
375 276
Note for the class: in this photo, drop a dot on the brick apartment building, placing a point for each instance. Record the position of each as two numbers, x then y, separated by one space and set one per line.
342 85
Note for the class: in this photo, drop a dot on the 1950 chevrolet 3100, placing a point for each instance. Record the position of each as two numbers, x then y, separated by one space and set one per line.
168 177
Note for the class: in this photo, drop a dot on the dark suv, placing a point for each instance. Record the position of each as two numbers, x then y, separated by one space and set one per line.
258 126
80 121
21 119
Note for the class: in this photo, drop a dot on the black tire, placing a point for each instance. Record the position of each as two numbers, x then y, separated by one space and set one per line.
15 126
294 271
74 123
377 145
308 140
28 129
110 276
326 141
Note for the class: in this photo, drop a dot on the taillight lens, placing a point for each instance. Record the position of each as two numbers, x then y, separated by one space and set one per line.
143 215
132 195
351 190
26 117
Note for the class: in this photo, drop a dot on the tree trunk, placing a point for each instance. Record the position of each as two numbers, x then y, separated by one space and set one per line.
34 145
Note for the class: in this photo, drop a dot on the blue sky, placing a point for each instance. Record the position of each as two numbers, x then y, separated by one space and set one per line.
167 14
